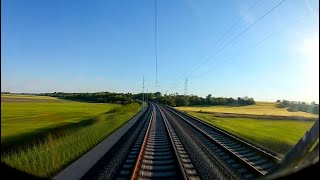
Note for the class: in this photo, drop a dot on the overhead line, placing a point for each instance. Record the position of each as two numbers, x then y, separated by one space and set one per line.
224 35
155 40
235 24
268 37
237 36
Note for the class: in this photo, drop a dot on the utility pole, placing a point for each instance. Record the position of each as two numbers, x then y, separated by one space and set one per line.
147 95
185 86
143 89
155 42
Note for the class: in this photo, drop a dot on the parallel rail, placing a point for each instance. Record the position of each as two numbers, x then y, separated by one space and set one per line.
248 160
133 157
143 148
158 153
185 164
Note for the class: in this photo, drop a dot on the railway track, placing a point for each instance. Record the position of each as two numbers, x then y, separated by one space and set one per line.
168 144
158 153
248 160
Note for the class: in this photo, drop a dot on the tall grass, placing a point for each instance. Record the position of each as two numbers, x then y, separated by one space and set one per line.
57 151
20 118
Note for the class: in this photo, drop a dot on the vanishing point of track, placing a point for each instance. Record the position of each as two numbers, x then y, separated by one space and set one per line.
169 144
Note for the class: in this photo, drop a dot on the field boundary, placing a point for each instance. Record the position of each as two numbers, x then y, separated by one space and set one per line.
81 166
255 116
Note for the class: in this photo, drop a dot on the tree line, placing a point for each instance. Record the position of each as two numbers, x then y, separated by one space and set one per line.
98 97
190 100
300 106
171 99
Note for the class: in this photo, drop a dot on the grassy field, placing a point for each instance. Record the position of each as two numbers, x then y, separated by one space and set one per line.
20 117
277 135
59 126
260 108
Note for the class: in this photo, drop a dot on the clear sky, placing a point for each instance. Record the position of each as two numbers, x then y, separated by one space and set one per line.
90 46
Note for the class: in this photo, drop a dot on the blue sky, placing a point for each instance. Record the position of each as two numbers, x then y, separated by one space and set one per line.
90 46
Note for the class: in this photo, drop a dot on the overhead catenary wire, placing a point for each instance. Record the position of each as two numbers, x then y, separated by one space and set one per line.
155 41
223 36
236 37
266 38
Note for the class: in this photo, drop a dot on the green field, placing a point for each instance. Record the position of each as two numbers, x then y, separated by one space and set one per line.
277 135
64 130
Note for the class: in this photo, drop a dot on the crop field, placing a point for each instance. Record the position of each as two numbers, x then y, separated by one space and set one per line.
23 97
64 130
260 108
253 124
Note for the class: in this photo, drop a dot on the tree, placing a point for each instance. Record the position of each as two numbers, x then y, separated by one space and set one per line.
209 99
181 101
151 96
315 109
285 102
157 94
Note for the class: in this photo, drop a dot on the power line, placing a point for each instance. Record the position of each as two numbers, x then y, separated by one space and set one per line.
224 35
186 86
268 37
143 88
242 32
155 40
235 24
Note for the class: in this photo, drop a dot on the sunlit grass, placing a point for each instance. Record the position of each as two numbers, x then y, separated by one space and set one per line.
25 117
56 149
276 135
